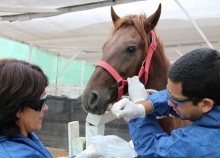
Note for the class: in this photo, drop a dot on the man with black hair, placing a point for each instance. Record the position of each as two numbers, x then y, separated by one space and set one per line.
192 93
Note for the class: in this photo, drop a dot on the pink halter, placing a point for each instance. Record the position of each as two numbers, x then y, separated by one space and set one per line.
143 71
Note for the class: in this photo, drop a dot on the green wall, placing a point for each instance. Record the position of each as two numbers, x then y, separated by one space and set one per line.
48 62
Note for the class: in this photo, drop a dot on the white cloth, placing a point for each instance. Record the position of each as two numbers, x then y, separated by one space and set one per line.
89 152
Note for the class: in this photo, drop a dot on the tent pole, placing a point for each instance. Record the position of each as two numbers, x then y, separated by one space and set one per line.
59 59
194 23
178 52
82 73
70 61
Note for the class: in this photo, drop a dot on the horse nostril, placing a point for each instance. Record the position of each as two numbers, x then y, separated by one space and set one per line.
93 100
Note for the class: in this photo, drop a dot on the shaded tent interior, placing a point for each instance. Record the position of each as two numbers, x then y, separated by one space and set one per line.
78 29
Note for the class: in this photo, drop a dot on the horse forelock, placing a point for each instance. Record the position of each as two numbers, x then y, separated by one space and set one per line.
138 21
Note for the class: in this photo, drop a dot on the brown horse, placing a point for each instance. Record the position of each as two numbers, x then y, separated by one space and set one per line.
133 47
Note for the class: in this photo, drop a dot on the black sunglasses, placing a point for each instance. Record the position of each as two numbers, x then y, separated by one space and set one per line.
39 104
177 101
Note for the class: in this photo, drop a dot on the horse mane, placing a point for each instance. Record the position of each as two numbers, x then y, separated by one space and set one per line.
134 20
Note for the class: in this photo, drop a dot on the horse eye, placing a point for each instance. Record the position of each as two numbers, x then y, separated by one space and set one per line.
131 49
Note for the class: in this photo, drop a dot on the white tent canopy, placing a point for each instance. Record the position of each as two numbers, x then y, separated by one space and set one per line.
79 28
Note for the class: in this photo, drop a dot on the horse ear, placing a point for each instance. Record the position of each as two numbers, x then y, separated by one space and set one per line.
115 17
153 19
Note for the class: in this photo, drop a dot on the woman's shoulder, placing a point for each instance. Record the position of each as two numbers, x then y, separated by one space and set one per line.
20 146
11 147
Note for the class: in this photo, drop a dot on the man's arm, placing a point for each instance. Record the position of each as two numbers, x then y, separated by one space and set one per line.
156 104
151 141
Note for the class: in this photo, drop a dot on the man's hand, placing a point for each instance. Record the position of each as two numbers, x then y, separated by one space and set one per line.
127 109
136 90
89 152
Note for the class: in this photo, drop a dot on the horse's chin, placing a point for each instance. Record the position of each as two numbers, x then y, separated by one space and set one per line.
109 107
98 109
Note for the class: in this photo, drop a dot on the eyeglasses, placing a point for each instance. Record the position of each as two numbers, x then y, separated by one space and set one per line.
177 101
38 106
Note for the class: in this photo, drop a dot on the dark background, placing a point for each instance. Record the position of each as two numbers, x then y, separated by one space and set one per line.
62 110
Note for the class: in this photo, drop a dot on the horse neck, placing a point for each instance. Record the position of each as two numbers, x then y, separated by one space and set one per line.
159 66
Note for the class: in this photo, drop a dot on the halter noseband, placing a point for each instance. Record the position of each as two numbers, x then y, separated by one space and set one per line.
144 68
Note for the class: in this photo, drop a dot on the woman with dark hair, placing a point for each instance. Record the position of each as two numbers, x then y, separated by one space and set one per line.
22 108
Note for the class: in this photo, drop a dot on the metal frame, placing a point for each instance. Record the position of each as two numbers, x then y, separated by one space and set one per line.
31 13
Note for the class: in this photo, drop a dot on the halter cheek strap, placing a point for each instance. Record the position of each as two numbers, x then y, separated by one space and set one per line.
144 68
146 63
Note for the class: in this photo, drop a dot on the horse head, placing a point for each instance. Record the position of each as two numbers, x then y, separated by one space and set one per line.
123 55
